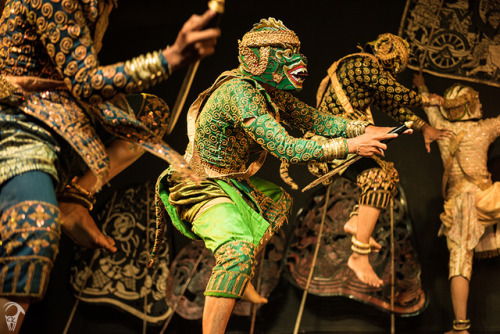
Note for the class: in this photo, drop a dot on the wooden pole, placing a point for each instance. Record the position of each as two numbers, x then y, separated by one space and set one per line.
313 264
183 290
393 276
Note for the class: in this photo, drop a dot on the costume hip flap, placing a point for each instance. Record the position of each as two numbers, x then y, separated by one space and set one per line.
30 234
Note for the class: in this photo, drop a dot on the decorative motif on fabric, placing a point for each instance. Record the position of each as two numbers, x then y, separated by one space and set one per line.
233 269
460 262
64 116
30 233
362 81
339 91
466 230
377 185
123 279
456 40
274 212
190 305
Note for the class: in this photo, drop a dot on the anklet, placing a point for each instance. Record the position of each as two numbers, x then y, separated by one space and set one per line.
360 247
354 211
461 325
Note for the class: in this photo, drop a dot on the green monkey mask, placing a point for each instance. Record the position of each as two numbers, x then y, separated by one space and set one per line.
270 53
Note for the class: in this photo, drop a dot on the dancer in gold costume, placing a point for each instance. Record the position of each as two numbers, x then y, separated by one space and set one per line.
472 201
354 84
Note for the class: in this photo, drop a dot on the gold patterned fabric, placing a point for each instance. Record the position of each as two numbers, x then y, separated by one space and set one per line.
228 122
366 83
232 271
55 101
354 84
29 248
471 205
49 57
377 185
223 142
27 146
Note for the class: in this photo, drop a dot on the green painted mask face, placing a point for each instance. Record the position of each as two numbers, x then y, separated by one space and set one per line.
286 68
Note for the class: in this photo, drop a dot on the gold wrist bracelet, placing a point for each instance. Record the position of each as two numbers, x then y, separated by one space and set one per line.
147 70
356 128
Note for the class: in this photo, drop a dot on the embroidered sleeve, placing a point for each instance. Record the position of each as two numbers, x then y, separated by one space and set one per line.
67 38
302 116
251 109
392 97
271 136
433 113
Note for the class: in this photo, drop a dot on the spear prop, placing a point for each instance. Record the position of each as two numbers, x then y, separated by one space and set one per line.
218 7
400 129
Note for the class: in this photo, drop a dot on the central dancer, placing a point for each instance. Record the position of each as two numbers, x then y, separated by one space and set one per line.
237 120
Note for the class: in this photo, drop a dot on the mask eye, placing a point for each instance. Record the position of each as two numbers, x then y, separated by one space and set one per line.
287 53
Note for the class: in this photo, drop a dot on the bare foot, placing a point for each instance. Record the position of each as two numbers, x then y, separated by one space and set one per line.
362 268
252 296
351 227
81 228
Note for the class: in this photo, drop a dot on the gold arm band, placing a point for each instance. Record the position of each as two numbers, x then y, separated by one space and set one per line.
354 212
418 124
147 70
356 128
362 251
335 149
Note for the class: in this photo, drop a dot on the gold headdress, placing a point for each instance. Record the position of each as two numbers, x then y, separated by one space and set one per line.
393 51
458 100
265 34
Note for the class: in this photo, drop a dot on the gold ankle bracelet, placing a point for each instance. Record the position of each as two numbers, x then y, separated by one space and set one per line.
461 325
360 247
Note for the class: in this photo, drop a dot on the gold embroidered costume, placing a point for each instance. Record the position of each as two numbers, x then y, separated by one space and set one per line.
57 106
356 82
234 212
471 208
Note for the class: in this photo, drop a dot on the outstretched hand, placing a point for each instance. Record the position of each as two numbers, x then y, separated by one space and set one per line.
431 134
192 42
435 100
81 228
369 143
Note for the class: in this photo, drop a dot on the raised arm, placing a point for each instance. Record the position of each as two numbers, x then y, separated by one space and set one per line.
437 128
68 40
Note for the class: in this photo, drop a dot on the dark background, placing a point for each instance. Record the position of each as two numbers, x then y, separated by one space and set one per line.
328 30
